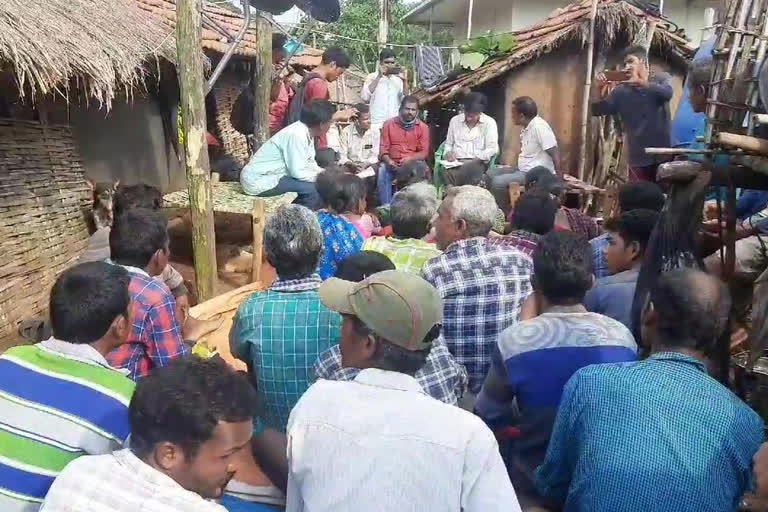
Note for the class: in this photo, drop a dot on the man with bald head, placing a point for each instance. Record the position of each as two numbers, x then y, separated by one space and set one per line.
657 434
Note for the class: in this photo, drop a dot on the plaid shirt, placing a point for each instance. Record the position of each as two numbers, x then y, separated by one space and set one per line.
155 338
483 286
279 334
408 255
524 241
600 266
441 377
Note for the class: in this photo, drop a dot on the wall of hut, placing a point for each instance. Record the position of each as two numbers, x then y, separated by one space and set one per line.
225 93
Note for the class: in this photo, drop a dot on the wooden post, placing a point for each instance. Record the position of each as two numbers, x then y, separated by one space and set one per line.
384 14
469 19
262 82
257 216
587 92
192 83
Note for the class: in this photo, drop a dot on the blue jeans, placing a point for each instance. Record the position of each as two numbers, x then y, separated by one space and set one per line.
308 195
384 183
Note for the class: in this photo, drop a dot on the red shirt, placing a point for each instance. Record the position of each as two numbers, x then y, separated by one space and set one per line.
401 144
317 89
279 108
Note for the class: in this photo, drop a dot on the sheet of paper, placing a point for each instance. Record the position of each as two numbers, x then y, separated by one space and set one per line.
450 165
367 173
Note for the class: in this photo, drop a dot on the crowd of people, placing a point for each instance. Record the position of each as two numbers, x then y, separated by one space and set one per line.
448 350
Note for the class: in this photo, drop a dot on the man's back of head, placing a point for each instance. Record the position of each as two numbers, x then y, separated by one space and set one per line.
139 238
412 210
293 241
562 266
466 212
535 212
642 195
141 195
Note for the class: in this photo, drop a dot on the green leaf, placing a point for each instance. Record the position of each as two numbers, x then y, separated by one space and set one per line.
506 43
472 60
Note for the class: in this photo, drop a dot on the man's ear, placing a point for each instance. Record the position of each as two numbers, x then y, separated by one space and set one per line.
594 281
649 315
636 249
167 456
121 327
369 346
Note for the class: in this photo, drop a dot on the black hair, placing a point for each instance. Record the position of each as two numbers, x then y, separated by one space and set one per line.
183 402
692 309
137 196
363 264
547 182
475 102
391 357
638 51
409 99
278 42
538 173
340 191
535 212
336 55
471 173
316 112
86 299
562 267
136 235
526 106
386 53
412 171
363 108
634 226
326 157
643 195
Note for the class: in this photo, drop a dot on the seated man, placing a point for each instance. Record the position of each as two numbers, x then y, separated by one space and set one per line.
286 162
60 399
482 284
440 377
433 457
403 138
657 434
472 137
628 237
188 422
139 243
538 356
534 217
360 144
280 332
632 196
411 211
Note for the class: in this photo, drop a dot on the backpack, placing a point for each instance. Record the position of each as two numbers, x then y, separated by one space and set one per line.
297 103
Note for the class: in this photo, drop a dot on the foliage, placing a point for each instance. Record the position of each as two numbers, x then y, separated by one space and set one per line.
478 50
360 20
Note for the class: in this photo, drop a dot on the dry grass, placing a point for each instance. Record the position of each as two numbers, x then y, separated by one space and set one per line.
106 45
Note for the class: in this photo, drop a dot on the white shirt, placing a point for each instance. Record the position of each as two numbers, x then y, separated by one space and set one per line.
479 141
385 99
120 482
535 140
360 148
380 444
290 152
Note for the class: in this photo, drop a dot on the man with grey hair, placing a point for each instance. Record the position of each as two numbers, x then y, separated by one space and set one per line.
280 332
482 284
411 211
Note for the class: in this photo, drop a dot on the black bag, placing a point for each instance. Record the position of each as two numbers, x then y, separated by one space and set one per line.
241 116
297 103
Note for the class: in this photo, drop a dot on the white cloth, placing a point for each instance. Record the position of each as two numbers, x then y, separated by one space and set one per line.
379 444
290 152
385 100
360 148
535 140
480 141
120 482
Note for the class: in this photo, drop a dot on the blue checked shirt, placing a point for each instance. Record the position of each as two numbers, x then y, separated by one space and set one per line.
483 286
441 377
658 434
599 244
279 333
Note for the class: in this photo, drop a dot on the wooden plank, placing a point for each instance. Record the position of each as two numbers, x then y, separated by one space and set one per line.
258 239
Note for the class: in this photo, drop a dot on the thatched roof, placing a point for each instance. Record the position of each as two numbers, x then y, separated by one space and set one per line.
104 44
570 23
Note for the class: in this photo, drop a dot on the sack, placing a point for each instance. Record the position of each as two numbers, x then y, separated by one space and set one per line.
241 116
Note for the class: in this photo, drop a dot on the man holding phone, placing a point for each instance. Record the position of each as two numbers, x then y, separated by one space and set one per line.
385 89
642 102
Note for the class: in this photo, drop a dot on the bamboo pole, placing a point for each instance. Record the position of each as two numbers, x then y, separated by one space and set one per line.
262 82
192 83
587 92
257 222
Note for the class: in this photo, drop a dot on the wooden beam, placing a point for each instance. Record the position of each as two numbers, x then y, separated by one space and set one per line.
192 84
262 82
587 93
257 217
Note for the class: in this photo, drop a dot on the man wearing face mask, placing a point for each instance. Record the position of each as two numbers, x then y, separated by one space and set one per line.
188 421
403 138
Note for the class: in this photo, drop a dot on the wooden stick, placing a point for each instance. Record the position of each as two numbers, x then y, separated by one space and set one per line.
745 142
677 151
587 93
257 218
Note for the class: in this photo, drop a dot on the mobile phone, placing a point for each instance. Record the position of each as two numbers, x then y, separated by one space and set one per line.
395 70
615 76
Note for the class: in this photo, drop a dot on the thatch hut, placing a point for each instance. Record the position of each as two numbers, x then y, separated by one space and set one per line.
549 64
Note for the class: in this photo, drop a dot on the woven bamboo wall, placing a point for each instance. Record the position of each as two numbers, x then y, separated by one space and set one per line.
235 144
42 226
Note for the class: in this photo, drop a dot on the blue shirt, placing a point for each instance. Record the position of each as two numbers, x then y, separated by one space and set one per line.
340 239
600 266
654 435
612 296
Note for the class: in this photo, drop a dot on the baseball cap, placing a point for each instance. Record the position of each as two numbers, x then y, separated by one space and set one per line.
400 307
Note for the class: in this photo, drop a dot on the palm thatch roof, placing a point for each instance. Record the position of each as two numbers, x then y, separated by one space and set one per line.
107 45
568 24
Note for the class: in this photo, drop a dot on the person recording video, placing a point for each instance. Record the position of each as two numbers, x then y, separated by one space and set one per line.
385 89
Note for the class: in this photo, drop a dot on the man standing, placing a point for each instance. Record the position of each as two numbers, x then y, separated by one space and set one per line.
657 434
472 136
538 148
433 457
403 139
642 102
360 143
384 89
